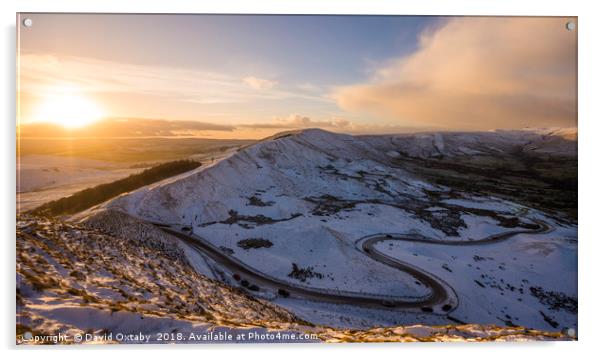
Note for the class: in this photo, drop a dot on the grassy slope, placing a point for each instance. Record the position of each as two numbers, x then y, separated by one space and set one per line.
129 273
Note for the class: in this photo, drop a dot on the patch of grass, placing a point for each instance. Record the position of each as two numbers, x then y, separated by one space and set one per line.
38 282
545 182
255 201
303 274
254 243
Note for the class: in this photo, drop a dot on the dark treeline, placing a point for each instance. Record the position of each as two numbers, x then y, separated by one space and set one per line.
93 196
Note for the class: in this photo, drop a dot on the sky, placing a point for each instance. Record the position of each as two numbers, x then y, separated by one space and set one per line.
252 76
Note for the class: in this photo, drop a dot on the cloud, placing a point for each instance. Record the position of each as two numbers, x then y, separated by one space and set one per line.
477 73
44 74
309 87
296 121
259 83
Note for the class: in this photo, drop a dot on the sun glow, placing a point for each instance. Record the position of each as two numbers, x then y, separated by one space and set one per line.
69 109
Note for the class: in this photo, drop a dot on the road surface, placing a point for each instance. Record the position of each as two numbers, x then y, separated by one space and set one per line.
441 300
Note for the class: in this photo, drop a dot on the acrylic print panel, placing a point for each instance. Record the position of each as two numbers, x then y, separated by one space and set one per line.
224 178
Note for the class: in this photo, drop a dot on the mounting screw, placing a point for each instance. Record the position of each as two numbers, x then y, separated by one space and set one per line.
27 22
571 332
570 26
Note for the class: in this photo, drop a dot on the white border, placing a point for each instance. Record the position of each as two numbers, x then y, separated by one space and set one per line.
590 116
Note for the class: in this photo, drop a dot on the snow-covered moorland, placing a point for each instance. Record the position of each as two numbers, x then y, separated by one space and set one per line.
80 285
294 208
73 280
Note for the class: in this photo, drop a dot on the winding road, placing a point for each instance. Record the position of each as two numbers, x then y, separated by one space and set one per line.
442 299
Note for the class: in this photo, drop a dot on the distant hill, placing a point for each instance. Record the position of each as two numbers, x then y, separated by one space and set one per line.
120 127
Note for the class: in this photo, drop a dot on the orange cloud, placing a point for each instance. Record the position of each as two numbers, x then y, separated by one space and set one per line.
259 83
478 73
299 121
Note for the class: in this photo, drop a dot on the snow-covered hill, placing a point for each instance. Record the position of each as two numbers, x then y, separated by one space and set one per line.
310 163
556 141
294 205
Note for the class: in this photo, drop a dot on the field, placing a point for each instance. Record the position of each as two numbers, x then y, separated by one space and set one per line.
50 169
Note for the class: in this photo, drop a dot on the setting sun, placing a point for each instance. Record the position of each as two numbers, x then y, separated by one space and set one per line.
70 110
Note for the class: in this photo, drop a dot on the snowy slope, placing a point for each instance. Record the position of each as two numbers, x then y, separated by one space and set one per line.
117 280
312 194
557 141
